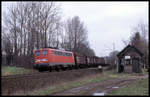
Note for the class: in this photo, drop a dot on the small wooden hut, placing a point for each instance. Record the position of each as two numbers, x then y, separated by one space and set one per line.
129 60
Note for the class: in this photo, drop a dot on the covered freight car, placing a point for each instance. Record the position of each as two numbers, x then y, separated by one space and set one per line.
94 61
80 60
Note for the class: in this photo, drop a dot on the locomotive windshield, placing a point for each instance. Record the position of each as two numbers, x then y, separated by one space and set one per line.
45 52
37 53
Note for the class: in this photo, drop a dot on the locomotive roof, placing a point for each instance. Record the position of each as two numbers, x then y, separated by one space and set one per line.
54 49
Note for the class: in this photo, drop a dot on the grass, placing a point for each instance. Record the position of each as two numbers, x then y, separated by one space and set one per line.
144 71
107 75
139 87
69 85
83 81
12 70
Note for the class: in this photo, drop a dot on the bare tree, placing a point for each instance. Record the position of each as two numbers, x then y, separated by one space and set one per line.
76 33
75 37
112 58
7 48
86 50
29 25
125 42
140 39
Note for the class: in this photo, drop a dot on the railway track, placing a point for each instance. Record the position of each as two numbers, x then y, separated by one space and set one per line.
27 82
41 73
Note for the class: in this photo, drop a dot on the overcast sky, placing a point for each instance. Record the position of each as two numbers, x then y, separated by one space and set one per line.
106 22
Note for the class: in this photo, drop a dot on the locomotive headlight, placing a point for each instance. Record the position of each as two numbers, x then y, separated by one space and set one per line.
37 60
44 60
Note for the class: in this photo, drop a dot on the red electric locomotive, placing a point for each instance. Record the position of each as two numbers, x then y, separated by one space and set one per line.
48 58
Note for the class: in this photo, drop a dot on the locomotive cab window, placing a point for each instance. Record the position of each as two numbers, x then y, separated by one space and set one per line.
45 52
37 53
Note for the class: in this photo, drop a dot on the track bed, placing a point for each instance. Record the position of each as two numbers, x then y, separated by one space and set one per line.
28 82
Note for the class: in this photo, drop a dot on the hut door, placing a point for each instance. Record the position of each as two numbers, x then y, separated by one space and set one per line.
136 65
128 66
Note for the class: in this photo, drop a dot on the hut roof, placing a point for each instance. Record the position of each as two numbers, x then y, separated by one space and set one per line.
127 48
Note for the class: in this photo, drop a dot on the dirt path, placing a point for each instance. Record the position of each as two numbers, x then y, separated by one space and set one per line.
100 88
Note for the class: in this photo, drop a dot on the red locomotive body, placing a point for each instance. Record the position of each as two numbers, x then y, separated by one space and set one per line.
47 57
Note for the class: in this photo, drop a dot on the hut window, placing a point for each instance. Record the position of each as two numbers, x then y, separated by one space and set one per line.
127 57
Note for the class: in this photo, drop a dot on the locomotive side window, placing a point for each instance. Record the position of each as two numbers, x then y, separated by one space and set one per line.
68 54
62 53
55 52
37 53
44 52
59 53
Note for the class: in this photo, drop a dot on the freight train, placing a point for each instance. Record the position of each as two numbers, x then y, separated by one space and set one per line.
55 59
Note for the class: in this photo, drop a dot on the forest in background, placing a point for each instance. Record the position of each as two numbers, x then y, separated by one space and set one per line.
32 25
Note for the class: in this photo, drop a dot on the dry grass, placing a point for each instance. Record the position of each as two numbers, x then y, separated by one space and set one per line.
139 87
12 70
